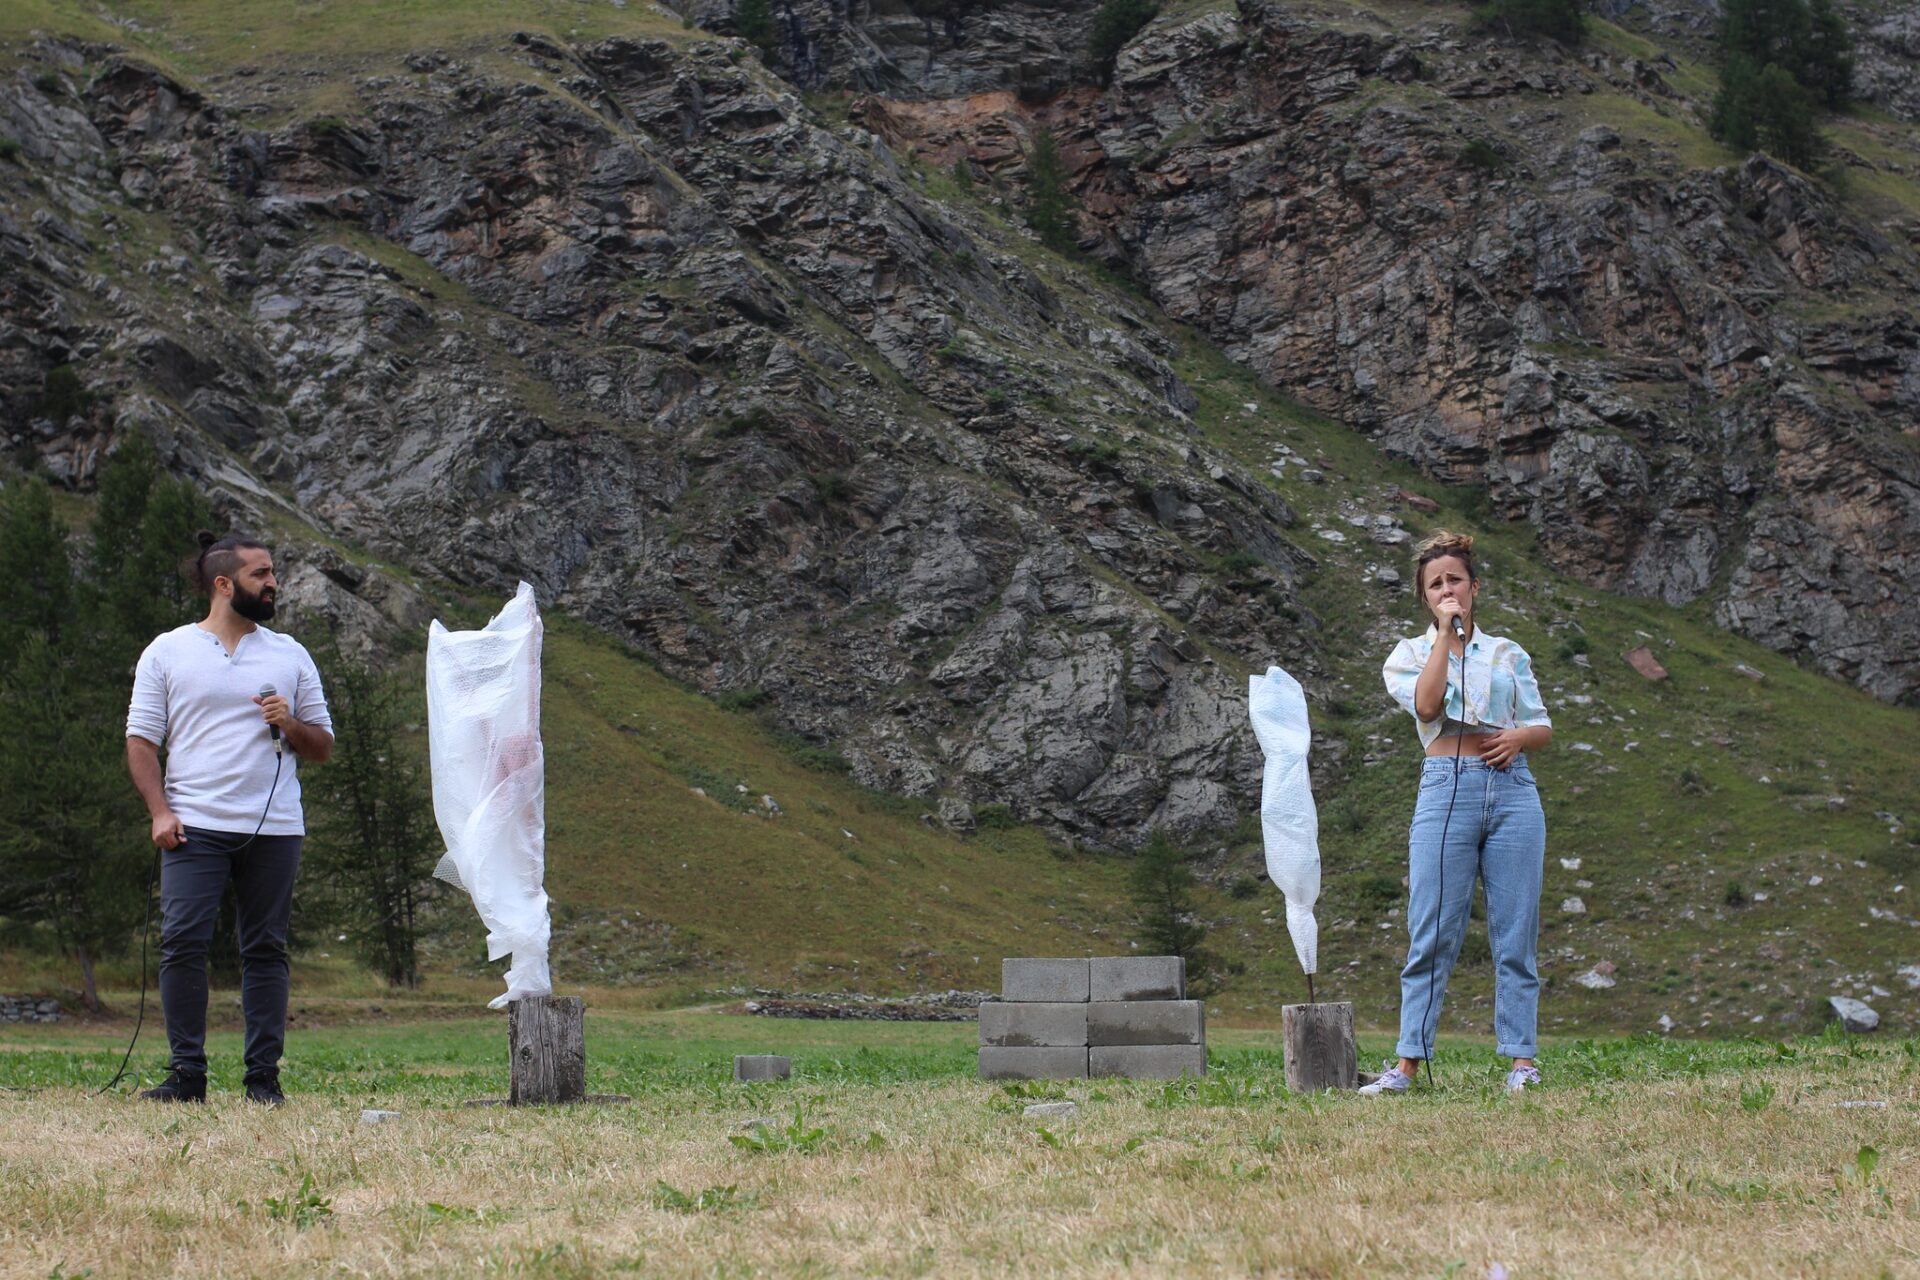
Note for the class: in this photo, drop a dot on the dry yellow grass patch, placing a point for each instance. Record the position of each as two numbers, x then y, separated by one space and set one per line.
1671 1175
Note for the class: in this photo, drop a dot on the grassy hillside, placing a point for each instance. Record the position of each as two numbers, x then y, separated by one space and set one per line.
1745 845
1743 828
842 886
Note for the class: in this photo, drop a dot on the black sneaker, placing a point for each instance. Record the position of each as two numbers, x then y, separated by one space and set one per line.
179 1086
265 1090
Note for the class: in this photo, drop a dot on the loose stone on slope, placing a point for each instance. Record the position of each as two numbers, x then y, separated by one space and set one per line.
1854 1015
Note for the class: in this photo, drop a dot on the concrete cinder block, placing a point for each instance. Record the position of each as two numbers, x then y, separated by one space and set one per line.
1138 978
1148 1061
1050 1024
755 1068
1052 981
1031 1063
1146 1022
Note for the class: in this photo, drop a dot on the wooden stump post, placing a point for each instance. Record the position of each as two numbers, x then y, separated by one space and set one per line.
547 1047
1319 1047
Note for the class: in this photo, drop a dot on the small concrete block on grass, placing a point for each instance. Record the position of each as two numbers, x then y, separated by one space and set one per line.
1032 1063
1137 978
755 1068
1168 1022
1147 1061
1014 1025
1048 981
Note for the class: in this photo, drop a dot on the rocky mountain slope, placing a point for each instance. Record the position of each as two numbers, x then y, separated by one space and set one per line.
631 318
1509 264
635 325
743 371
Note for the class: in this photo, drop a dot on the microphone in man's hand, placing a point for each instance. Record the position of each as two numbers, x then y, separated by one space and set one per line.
268 691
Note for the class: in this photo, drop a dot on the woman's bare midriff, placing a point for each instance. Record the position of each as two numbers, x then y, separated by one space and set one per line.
1467 744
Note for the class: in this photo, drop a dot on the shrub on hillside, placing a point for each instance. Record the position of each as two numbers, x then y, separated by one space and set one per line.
1117 22
994 817
1482 155
65 396
1561 20
753 22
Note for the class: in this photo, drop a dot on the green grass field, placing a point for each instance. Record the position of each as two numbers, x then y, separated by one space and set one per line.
884 1156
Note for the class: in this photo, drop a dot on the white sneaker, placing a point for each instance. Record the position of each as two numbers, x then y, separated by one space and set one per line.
1521 1079
1391 1081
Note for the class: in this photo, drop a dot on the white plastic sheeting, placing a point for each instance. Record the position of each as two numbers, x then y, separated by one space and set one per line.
1288 820
489 782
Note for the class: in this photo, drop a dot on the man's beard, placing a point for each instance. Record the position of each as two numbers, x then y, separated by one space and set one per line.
254 608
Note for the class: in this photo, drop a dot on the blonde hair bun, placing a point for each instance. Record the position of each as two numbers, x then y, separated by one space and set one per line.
1443 542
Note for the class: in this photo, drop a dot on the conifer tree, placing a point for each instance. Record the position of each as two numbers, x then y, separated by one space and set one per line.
74 858
1827 63
1807 39
1049 208
36 582
374 842
1765 108
73 853
1161 886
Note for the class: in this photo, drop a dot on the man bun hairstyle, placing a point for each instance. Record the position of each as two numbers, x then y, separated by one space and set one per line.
219 556
1441 542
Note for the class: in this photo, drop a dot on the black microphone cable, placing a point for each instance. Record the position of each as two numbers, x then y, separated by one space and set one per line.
146 930
1440 869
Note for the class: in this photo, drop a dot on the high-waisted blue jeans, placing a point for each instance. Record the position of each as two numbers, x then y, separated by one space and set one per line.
1497 833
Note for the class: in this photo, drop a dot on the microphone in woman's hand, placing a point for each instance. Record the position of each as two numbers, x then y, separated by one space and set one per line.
1459 627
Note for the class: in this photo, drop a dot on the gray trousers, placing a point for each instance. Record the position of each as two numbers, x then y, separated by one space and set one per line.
193 878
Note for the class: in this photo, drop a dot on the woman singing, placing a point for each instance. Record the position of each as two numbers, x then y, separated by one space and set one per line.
1478 708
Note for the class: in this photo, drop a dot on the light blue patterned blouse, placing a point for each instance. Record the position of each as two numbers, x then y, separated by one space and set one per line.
1500 691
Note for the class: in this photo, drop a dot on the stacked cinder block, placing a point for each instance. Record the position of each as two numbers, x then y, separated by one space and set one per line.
1107 1016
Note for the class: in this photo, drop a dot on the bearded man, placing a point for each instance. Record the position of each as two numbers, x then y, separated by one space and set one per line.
224 697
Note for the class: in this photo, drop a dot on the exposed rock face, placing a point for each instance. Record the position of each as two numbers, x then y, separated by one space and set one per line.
705 372
1639 357
1886 52
922 48
633 323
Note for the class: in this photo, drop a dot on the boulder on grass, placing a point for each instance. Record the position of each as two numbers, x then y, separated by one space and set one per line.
1854 1015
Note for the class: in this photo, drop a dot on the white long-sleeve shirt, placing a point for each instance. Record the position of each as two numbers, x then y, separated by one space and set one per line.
1493 687
197 700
